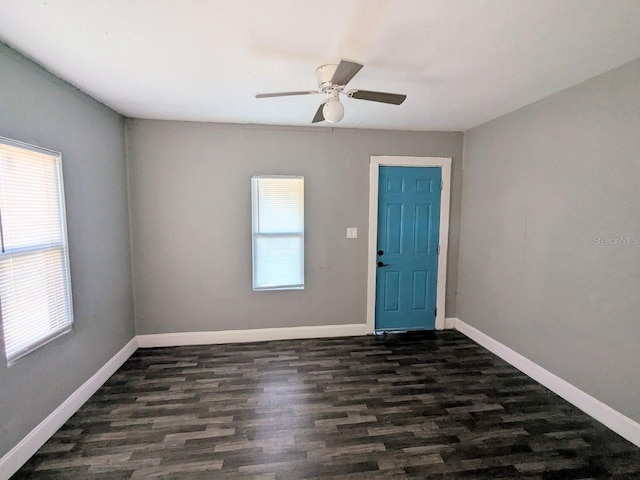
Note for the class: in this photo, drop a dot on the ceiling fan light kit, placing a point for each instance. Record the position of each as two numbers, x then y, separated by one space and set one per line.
331 80
333 110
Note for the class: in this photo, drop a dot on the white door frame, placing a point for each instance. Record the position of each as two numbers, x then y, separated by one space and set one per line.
375 162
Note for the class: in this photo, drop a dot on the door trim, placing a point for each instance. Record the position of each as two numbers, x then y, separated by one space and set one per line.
375 162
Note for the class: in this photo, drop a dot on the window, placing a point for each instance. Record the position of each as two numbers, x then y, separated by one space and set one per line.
277 204
35 289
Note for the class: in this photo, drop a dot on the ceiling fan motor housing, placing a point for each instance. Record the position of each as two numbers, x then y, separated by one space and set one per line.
324 74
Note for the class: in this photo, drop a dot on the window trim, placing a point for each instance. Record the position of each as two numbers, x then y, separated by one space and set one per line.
35 248
255 235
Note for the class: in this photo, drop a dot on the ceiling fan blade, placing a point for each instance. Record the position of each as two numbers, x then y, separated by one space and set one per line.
392 98
345 72
319 116
285 94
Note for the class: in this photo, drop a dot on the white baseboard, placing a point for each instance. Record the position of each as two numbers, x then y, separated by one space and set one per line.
614 420
252 335
450 323
29 445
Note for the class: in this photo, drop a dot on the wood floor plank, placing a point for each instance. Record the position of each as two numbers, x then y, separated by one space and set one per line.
418 405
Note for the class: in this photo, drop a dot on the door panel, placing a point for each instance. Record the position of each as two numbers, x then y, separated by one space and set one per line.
394 228
408 233
419 288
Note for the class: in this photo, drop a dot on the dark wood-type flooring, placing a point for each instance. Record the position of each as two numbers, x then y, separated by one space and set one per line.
398 406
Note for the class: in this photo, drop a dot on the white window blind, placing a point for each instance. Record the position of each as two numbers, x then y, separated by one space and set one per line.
278 232
35 289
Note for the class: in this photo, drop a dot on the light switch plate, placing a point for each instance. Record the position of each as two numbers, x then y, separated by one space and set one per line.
352 232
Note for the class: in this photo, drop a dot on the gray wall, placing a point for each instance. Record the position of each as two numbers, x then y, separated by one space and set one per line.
190 215
37 108
544 188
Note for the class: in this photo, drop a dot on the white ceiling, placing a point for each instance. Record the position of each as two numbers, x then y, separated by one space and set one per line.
461 62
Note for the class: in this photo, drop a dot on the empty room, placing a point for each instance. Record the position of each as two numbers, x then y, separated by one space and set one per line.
292 239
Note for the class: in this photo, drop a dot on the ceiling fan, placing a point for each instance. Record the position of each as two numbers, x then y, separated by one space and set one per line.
331 80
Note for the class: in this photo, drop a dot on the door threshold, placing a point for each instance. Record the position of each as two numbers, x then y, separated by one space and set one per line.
391 332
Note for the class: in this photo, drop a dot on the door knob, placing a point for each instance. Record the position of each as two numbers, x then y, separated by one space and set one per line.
381 264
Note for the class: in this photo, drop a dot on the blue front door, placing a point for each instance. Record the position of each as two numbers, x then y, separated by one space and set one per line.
407 253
